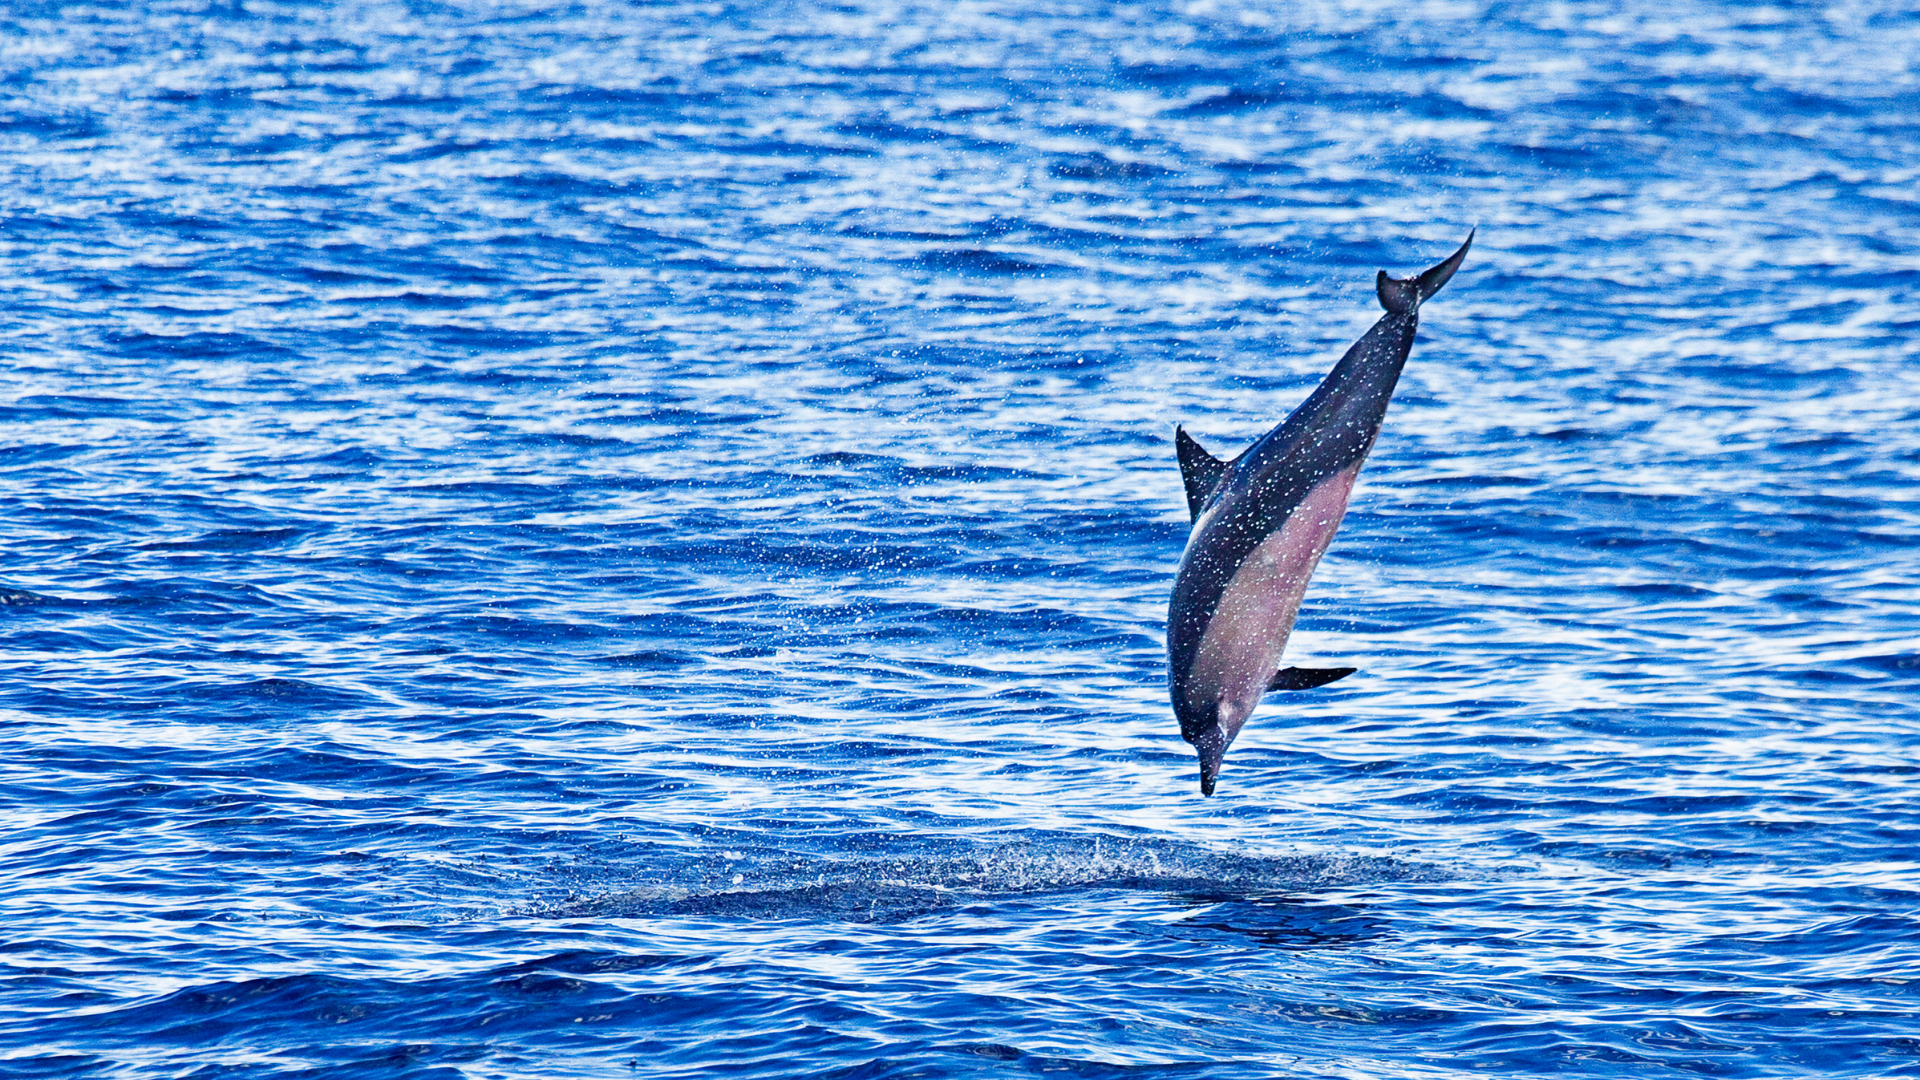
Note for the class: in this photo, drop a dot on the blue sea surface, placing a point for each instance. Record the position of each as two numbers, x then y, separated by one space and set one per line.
603 539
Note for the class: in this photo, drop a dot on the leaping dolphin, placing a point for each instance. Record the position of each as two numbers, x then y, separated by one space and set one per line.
1261 523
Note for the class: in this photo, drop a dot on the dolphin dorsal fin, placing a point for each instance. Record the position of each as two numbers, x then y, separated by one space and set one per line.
1200 470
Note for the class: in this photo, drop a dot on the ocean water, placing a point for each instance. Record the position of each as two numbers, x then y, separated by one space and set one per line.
613 540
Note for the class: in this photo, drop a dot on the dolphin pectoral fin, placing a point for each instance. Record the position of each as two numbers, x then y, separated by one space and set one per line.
1300 678
1406 294
1199 470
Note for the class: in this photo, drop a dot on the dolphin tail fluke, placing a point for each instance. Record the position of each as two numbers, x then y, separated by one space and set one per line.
1199 470
1406 294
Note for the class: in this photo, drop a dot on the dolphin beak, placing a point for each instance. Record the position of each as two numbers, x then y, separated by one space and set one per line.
1212 748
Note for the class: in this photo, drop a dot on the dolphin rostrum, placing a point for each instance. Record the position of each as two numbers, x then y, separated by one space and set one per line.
1261 523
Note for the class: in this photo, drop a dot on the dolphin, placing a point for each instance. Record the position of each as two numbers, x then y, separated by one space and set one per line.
1261 523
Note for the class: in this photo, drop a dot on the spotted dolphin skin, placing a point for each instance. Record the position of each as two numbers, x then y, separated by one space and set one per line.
1261 523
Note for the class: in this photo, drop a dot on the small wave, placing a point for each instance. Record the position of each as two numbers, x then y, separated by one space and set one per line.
21 598
229 540
277 691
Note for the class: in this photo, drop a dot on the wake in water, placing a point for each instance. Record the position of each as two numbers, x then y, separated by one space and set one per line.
775 885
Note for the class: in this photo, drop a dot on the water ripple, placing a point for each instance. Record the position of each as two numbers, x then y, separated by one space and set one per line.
635 540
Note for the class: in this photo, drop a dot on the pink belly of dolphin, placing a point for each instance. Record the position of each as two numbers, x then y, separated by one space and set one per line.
1240 651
